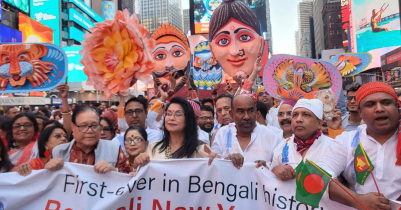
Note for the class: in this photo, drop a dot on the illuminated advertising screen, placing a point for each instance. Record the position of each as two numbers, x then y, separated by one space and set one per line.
1 9
76 34
80 4
376 24
78 18
75 68
8 34
202 10
47 12
108 10
33 31
23 5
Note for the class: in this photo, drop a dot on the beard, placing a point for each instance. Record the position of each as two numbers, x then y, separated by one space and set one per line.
208 130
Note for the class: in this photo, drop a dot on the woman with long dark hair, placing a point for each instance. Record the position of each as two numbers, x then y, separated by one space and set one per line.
180 136
5 163
47 140
22 138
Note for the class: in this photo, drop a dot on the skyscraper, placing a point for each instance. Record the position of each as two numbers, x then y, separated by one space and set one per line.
185 21
269 36
155 12
318 25
305 11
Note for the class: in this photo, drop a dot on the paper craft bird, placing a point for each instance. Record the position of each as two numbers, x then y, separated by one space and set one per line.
347 64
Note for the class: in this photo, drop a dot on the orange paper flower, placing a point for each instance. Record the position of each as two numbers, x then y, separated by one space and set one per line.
117 54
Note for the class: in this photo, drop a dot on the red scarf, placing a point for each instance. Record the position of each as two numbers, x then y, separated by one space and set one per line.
302 146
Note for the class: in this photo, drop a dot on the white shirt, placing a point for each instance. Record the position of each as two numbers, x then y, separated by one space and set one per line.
339 158
204 136
277 131
261 147
286 152
272 118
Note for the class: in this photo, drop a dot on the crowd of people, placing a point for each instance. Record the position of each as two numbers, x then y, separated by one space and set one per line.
242 128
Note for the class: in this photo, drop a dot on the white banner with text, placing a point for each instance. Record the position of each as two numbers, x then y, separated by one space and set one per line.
160 185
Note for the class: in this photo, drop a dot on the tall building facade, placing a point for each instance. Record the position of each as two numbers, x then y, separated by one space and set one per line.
297 41
333 35
305 11
318 26
185 21
269 35
155 12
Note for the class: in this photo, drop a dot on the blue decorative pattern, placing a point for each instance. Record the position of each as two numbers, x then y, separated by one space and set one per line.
284 158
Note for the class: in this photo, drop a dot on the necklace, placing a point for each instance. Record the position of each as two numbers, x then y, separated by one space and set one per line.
168 151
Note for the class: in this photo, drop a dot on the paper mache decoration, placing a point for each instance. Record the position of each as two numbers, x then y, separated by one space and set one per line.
207 71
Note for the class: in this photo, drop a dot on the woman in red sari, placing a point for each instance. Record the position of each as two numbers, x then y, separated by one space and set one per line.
22 138
48 139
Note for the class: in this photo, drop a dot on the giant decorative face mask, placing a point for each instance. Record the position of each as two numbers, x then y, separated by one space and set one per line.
292 78
351 64
31 67
207 71
171 54
236 47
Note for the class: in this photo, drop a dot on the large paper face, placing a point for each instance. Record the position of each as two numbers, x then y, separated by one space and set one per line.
207 71
31 67
236 47
170 57
351 64
292 78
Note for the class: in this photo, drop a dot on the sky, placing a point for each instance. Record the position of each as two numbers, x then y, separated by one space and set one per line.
284 19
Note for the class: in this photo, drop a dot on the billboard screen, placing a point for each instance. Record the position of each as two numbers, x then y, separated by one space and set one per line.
8 34
33 31
1 6
75 68
78 18
47 12
202 10
23 5
108 10
376 24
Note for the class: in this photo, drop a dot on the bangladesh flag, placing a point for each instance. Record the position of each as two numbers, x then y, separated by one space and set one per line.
362 164
311 181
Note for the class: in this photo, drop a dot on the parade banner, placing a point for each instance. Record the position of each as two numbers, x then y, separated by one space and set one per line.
160 185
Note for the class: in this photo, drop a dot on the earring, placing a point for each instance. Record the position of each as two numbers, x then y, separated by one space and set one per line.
47 153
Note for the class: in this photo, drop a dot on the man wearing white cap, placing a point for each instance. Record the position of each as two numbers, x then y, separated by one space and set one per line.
307 141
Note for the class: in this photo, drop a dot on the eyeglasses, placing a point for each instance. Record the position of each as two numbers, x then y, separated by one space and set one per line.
25 125
176 114
105 129
130 112
85 128
206 118
133 140
263 93
349 98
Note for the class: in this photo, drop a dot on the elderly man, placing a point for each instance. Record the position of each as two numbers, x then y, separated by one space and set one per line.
284 118
307 141
244 140
12 111
87 148
380 136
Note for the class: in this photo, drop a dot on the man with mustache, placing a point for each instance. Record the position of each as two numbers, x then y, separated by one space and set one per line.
244 140
205 122
352 120
308 142
284 118
380 137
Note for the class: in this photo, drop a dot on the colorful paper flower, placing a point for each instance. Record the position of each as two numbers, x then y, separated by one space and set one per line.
117 54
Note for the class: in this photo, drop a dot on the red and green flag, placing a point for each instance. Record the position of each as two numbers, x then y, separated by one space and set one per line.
311 182
362 165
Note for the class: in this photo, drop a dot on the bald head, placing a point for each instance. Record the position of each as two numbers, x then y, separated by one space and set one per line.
244 113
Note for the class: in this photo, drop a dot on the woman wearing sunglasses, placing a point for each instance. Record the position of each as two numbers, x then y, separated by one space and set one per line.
180 136
47 140
22 138
136 142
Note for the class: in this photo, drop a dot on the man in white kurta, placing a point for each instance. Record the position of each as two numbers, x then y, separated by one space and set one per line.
307 142
379 108
253 142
